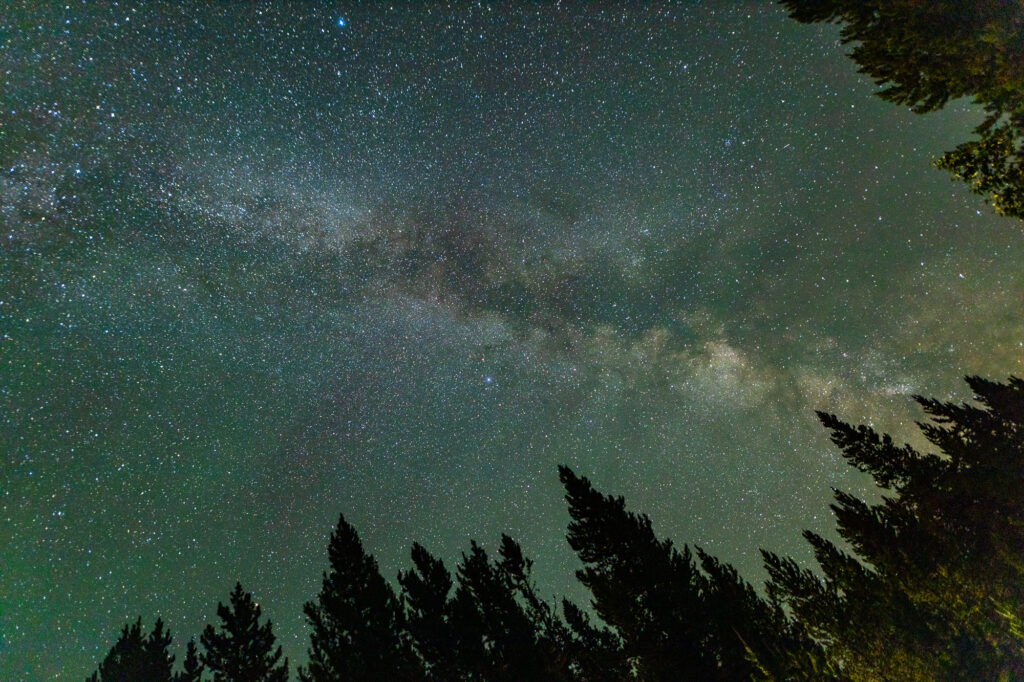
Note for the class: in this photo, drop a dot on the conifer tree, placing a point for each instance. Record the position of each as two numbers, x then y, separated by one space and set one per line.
493 627
357 621
751 637
924 54
932 585
594 651
669 617
136 656
647 591
503 629
242 650
193 669
425 593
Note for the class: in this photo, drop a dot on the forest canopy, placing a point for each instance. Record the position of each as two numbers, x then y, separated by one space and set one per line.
927 585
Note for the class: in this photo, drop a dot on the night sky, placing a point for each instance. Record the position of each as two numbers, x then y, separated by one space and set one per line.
262 264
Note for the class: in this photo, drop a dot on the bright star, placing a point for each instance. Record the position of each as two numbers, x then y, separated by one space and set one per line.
342 22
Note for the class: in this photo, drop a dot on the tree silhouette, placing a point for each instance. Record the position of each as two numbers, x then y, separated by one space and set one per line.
425 591
924 54
647 591
357 621
928 586
667 614
493 627
193 669
933 585
595 652
503 629
137 657
242 650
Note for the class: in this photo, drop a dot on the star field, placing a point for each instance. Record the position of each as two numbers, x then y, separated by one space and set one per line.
261 264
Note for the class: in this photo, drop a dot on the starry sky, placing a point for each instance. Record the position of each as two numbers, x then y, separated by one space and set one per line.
264 263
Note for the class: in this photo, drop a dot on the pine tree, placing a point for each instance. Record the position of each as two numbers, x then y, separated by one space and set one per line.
136 657
595 652
669 617
242 650
647 591
502 628
193 669
425 592
749 636
924 54
357 621
932 586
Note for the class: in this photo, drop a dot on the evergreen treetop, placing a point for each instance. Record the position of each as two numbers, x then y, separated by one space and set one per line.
357 621
242 650
136 656
933 581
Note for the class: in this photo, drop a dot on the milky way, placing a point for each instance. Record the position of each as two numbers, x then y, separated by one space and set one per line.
262 264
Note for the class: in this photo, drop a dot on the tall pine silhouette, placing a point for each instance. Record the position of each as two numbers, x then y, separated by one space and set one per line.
425 593
494 626
358 630
647 591
673 619
242 650
504 630
192 670
931 586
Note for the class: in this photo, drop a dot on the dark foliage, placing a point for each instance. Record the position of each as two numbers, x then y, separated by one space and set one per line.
492 627
927 585
193 669
924 54
136 656
933 584
425 591
595 651
668 614
648 592
357 621
242 650
503 629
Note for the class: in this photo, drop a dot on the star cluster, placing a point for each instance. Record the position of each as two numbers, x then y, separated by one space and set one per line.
264 263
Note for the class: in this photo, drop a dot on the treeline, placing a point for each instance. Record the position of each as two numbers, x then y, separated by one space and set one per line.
928 585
